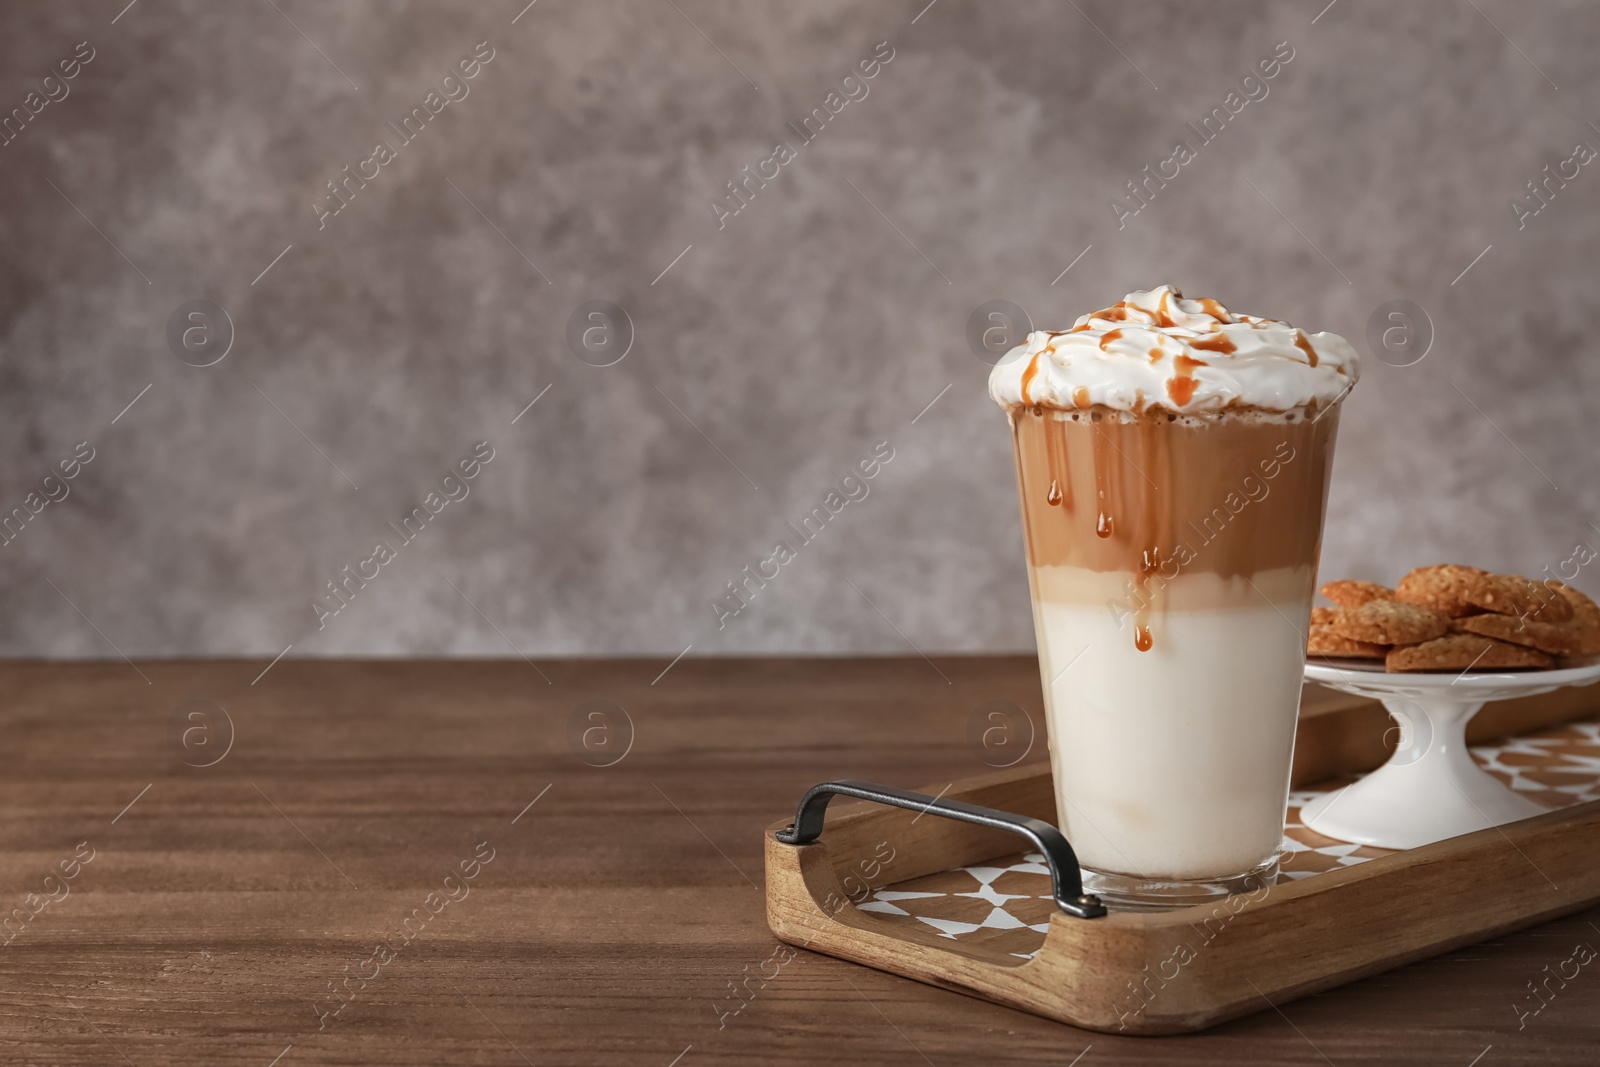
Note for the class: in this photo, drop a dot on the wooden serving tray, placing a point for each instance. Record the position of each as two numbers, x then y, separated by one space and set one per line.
958 906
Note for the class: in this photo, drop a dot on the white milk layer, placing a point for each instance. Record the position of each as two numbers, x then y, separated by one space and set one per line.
1173 763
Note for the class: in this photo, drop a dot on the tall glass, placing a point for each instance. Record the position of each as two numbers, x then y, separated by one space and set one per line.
1172 561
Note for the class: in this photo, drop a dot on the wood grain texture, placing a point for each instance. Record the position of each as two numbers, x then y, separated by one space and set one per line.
618 913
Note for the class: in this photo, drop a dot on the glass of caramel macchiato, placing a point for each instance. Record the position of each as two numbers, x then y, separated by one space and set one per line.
1173 463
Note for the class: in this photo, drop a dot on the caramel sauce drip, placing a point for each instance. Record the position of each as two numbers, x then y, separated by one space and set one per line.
1104 490
1215 310
1080 396
1155 520
1303 343
1110 336
1057 464
1155 354
1149 563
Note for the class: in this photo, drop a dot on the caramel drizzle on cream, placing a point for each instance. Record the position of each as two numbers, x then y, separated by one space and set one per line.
1181 388
1219 342
1028 376
1303 343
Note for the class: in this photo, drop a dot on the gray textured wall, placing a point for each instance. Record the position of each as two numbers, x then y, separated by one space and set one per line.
777 351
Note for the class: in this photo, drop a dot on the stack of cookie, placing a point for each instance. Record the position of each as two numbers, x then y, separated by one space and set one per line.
1453 617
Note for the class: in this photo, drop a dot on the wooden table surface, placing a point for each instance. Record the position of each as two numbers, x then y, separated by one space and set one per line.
229 913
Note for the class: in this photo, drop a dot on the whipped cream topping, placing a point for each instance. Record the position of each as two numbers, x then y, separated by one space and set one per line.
1157 350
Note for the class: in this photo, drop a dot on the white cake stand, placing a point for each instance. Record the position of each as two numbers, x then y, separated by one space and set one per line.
1430 789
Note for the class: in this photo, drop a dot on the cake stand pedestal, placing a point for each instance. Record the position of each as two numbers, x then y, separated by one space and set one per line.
1430 789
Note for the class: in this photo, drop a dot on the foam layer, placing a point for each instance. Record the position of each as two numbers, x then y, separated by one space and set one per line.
1157 351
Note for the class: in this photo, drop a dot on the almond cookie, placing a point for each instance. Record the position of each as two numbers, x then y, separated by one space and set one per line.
1390 622
1558 639
1512 594
1324 642
1585 619
1439 588
1322 616
1353 592
1457 652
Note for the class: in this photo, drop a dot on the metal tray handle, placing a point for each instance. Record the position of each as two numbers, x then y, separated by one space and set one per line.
1065 881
